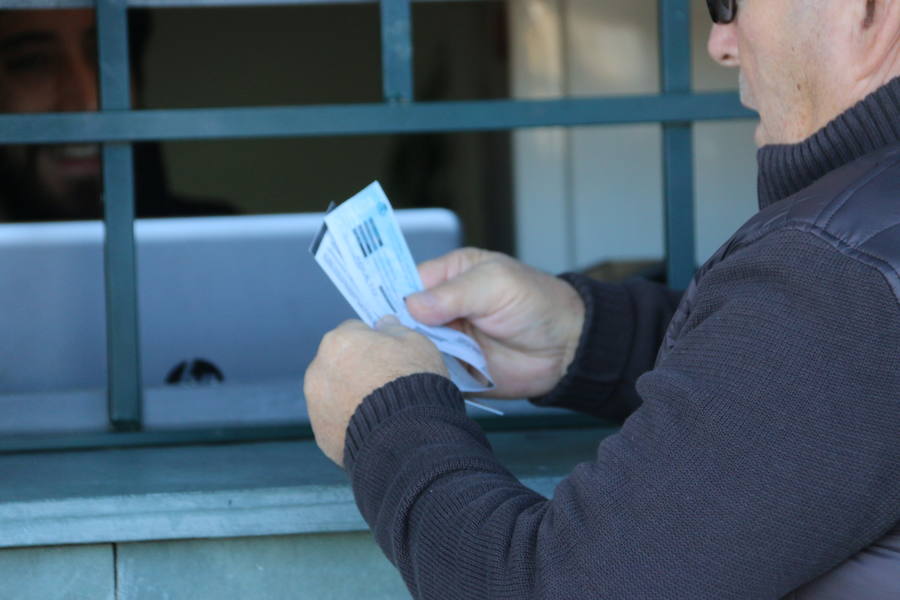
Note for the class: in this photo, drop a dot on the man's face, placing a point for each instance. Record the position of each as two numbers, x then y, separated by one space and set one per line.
48 63
780 47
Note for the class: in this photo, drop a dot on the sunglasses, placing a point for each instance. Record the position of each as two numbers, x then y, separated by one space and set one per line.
722 11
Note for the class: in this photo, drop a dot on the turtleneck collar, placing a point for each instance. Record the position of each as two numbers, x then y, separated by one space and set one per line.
871 124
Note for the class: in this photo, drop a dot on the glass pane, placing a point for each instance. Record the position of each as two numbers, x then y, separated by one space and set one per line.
617 190
725 171
589 198
467 173
583 48
232 310
53 347
214 57
611 47
52 309
317 54
460 50
48 61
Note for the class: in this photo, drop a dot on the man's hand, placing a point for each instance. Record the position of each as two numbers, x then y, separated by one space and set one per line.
527 322
352 362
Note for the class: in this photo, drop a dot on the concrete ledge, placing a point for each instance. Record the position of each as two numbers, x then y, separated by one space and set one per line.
219 491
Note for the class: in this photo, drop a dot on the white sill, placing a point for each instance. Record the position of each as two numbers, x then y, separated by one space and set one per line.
271 488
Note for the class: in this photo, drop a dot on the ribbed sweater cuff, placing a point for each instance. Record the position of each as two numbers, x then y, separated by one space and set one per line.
392 398
603 348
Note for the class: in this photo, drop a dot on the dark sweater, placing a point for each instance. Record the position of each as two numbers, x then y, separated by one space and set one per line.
762 444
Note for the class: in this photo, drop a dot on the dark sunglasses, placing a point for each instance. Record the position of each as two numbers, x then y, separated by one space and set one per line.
722 11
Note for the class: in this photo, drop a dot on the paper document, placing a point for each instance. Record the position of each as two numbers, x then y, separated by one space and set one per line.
362 250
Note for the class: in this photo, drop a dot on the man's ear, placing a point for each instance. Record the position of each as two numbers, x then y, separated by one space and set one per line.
878 34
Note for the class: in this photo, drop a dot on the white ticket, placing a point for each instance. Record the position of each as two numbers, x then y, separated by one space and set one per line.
362 250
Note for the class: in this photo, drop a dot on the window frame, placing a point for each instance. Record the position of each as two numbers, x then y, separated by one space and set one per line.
117 126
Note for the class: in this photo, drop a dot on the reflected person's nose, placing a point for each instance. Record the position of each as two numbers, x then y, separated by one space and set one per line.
78 87
722 45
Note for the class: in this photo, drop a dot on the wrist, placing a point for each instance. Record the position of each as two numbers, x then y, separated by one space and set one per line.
575 310
418 390
602 347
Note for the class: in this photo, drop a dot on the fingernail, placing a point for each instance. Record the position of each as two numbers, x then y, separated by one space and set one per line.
387 321
425 298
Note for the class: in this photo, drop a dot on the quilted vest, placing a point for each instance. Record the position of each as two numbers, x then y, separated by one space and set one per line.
856 209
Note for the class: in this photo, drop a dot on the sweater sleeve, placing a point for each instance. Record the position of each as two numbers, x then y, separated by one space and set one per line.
623 327
763 454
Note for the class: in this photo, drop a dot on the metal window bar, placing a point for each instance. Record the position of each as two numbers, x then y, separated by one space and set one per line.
678 150
117 126
123 349
396 50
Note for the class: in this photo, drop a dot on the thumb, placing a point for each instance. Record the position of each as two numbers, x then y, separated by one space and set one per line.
463 296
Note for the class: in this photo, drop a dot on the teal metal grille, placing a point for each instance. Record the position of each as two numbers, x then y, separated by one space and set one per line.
116 126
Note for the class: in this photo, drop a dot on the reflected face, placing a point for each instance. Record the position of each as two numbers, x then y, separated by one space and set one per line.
48 63
778 46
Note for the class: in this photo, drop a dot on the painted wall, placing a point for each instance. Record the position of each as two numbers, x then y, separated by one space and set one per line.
322 566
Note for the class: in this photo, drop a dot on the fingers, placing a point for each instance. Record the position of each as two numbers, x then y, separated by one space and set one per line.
439 270
472 293
391 325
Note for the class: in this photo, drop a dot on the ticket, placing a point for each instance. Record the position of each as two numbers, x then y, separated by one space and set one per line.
363 251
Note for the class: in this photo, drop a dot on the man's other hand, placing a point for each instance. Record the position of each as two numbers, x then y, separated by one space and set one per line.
527 322
352 362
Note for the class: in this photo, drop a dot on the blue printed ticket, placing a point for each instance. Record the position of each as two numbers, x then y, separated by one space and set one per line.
362 250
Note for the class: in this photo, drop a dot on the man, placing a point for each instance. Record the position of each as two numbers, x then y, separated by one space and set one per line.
761 453
48 63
